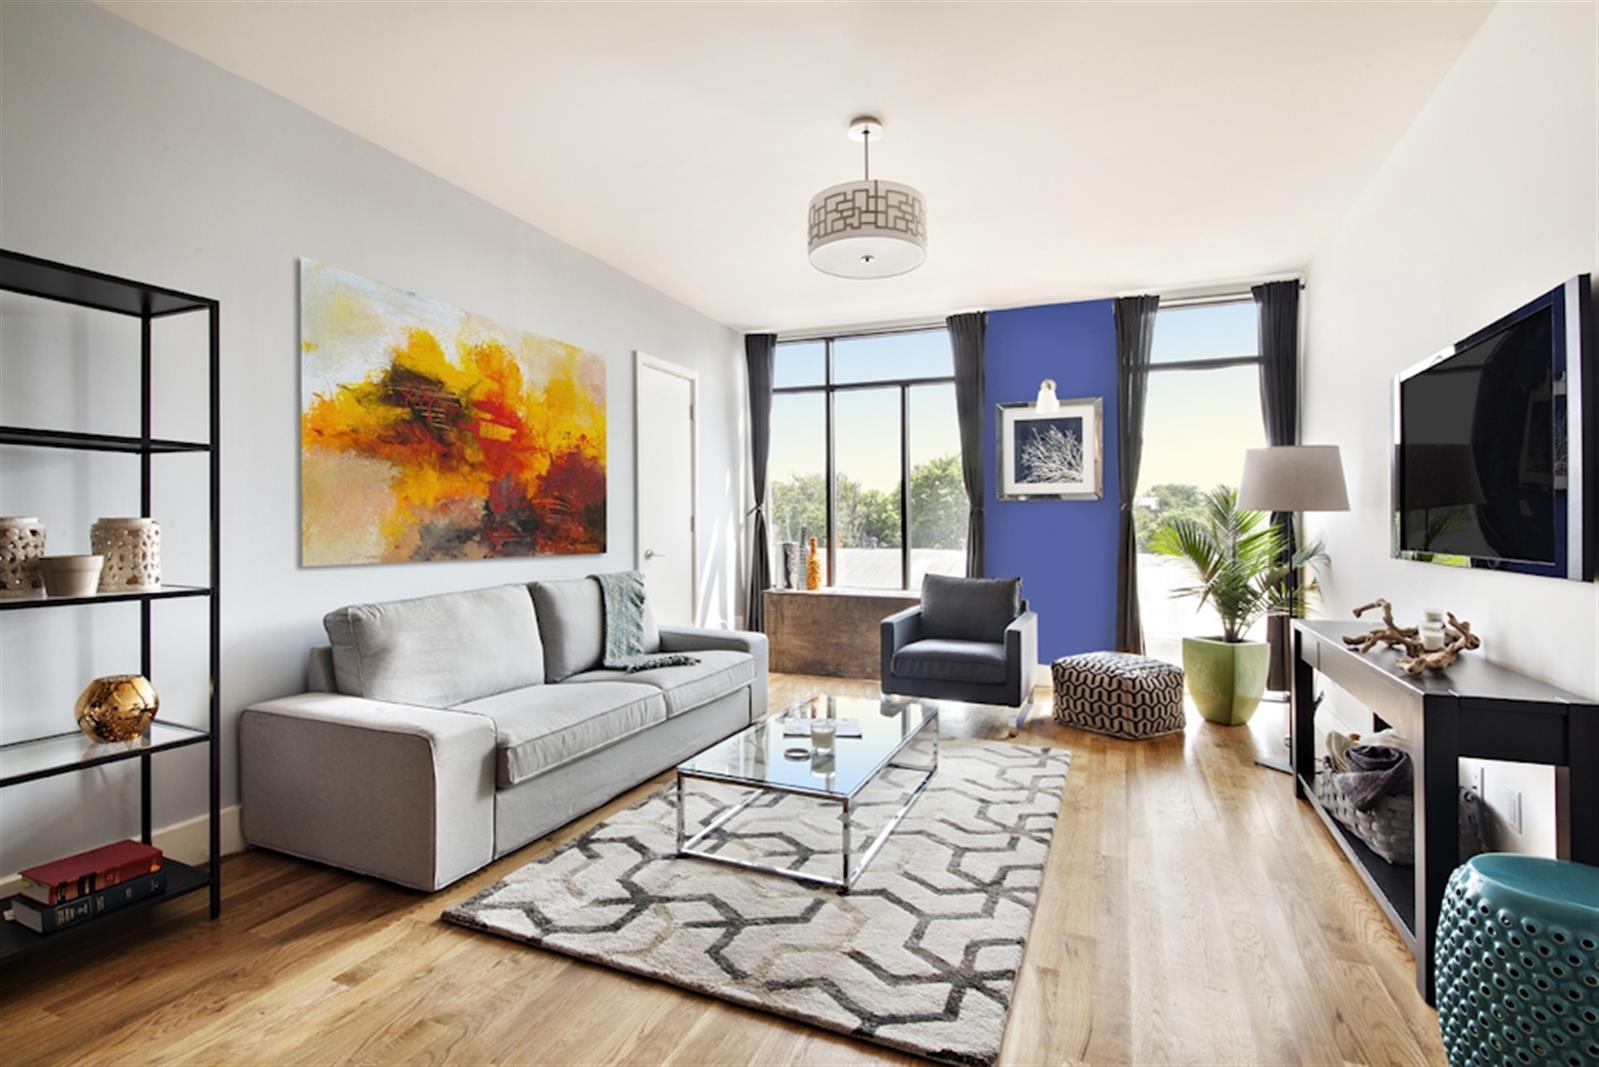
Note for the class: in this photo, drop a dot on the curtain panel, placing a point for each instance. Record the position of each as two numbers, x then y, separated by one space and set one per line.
1278 307
1135 339
759 352
966 341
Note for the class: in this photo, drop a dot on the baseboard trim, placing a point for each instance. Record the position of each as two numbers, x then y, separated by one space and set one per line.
187 841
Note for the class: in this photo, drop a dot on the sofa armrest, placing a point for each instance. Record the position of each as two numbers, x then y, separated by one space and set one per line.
1021 655
701 639
396 791
898 630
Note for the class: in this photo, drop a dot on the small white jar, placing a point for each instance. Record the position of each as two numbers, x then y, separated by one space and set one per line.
21 547
132 551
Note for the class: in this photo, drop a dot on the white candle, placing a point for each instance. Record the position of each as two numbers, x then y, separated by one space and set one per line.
823 732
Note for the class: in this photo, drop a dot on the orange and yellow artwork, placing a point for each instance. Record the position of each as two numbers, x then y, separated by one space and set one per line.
431 433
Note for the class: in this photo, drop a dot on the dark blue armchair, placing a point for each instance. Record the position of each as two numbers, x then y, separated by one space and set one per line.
971 639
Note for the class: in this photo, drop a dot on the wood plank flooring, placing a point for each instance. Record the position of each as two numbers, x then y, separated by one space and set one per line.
1192 913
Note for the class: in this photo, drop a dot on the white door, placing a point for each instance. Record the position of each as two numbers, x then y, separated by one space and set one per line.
667 493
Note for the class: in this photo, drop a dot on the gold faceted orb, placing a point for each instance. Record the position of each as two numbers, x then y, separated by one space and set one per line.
117 707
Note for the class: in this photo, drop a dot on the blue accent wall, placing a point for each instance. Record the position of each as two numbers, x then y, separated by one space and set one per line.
1064 550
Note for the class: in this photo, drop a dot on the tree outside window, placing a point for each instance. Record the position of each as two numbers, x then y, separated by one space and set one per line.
884 407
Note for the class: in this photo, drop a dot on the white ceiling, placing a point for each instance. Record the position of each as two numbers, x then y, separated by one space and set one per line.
1066 150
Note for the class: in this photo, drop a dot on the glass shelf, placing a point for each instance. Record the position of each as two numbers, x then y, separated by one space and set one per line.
43 278
30 437
166 592
25 761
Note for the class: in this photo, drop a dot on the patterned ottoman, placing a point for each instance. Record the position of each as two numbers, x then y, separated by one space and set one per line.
1119 694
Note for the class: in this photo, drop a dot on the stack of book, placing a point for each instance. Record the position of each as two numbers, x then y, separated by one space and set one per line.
69 891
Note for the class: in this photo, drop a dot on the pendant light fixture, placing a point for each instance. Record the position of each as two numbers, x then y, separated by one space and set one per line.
868 228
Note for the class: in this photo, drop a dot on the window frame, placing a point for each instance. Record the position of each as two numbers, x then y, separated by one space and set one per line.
830 388
1218 361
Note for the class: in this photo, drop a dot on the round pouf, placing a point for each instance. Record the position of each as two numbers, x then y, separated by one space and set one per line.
1119 694
1517 962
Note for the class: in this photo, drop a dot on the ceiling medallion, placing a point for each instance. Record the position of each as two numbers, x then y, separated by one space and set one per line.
868 228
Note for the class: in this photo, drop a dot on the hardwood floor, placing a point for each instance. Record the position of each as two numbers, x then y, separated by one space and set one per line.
1192 913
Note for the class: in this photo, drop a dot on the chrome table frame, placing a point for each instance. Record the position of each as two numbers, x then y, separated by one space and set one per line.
686 845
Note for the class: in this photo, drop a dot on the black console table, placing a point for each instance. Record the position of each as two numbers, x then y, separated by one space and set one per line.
1475 709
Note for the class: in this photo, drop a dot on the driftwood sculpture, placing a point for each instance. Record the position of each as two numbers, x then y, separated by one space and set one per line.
1458 638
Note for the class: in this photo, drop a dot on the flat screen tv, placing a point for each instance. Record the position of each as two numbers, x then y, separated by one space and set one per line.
1494 445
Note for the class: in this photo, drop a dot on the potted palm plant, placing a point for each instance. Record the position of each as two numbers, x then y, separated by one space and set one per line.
1239 560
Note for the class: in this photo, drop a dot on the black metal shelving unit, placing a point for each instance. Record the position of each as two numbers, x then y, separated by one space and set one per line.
66 753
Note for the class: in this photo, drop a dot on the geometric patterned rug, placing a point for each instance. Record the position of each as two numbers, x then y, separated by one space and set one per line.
922 955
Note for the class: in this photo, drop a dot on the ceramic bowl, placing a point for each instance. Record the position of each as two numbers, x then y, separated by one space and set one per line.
71 575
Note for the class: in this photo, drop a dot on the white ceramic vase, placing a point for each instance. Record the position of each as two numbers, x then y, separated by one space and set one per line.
21 546
132 551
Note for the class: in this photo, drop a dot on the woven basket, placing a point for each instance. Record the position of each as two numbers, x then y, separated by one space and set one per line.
1389 828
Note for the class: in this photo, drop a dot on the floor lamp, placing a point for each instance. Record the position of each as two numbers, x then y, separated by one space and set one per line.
1293 479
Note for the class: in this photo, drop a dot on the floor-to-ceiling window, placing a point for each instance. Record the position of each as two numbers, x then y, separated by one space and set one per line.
865 458
1202 413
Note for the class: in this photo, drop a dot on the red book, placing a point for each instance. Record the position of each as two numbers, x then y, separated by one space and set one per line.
88 872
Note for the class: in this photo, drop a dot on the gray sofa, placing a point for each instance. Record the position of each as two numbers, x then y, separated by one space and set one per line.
444 732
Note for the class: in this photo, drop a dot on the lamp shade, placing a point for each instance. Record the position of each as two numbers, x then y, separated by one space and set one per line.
1293 478
868 229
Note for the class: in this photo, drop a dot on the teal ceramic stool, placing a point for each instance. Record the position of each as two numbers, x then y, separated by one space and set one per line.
1517 958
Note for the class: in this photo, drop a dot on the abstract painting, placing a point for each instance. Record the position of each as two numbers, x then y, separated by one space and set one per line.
1051 455
429 433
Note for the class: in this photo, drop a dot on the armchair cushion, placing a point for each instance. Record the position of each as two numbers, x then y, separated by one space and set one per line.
939 659
969 609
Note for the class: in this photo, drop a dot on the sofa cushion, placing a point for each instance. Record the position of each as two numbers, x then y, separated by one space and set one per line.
543 726
969 609
572 624
938 659
572 621
717 673
437 650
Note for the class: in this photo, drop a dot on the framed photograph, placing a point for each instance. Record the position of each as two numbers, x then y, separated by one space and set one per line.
1051 457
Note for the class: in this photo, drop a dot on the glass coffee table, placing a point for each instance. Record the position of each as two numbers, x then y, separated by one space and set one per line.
895 732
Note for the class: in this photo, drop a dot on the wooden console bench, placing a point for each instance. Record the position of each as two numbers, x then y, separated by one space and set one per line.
1475 709
831 631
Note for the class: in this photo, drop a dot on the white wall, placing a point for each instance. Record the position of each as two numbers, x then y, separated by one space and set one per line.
121 152
1490 199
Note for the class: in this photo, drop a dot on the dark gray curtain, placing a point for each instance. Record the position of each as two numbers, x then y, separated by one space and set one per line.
1135 337
966 339
1278 305
759 349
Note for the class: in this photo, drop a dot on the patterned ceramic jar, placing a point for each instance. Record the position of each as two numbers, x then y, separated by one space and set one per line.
21 546
132 551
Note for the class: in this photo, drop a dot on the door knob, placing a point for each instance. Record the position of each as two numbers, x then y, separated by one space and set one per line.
650 553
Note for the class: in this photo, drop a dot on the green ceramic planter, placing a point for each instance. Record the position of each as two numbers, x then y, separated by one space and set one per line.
1226 680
